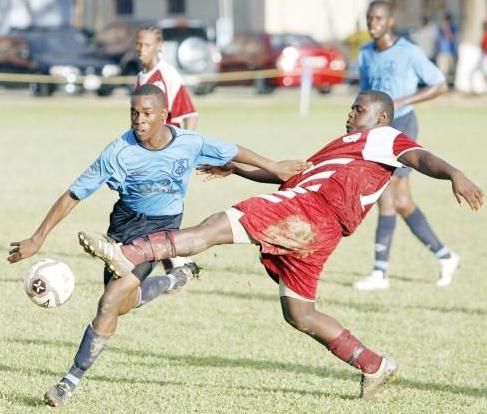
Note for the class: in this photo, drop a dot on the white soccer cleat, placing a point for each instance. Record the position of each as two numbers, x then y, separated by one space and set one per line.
448 267
372 383
376 280
107 250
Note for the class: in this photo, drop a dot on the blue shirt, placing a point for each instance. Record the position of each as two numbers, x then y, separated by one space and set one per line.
397 71
152 182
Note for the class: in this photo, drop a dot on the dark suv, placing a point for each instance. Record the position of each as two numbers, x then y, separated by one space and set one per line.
187 46
62 51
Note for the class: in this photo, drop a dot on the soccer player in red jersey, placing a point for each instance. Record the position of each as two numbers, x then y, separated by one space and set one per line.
299 226
182 112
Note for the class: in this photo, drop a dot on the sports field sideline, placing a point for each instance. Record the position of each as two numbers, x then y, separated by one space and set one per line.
221 345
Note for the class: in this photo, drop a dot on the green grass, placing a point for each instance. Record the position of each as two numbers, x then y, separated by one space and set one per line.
221 345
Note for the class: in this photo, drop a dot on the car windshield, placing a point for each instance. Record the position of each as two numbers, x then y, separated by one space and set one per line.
280 41
180 33
73 42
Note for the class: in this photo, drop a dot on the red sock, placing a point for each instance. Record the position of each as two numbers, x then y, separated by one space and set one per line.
154 247
353 352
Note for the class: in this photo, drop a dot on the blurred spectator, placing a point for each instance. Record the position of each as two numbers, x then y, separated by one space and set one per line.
354 42
446 45
484 48
425 37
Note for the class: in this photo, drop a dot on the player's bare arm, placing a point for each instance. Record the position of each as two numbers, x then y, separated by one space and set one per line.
423 94
281 169
427 163
251 173
26 248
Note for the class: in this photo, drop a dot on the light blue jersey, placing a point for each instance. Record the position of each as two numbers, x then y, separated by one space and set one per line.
397 70
154 182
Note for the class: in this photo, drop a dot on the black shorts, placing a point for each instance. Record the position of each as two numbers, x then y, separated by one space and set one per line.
408 124
127 225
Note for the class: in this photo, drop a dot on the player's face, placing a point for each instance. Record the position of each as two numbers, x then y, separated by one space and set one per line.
148 48
379 21
363 115
147 115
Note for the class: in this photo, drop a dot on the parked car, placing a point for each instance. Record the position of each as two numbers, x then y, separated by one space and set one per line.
187 46
286 53
60 51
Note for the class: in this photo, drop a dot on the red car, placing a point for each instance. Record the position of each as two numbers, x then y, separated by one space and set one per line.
283 55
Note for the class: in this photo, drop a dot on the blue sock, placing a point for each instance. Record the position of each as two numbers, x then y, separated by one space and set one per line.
420 227
90 347
383 241
154 286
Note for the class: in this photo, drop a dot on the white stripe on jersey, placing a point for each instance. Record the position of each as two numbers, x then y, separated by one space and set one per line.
327 162
372 198
319 176
270 197
379 146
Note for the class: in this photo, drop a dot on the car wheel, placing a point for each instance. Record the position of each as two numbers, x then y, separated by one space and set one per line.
41 89
324 89
262 86
104 91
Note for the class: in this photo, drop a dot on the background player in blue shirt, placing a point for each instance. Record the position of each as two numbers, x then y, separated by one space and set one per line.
149 166
397 67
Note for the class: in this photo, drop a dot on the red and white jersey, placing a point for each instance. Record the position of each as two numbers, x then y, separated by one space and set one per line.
350 173
178 100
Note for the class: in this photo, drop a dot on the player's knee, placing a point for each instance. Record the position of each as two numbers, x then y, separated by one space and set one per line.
111 301
403 204
297 318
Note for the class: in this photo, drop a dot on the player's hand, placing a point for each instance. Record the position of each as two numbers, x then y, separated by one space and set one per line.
287 168
464 189
22 250
210 172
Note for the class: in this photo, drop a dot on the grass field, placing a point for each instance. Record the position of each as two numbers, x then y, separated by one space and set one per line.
221 345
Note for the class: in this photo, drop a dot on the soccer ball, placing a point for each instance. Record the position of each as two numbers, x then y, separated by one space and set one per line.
49 283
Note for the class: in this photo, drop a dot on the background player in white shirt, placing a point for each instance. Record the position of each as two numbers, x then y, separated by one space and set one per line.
182 112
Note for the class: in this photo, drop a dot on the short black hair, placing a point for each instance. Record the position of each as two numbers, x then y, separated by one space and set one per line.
382 100
152 29
150 89
382 3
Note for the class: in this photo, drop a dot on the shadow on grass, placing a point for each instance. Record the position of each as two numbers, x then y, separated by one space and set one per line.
214 361
28 400
361 307
23 399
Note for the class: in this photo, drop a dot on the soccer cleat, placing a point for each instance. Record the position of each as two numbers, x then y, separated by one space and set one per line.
107 250
371 383
448 267
58 395
376 280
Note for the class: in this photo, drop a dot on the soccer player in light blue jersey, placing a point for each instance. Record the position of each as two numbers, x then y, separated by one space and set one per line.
149 166
397 67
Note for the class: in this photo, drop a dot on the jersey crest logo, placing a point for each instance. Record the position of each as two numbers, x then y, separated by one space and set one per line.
352 138
180 167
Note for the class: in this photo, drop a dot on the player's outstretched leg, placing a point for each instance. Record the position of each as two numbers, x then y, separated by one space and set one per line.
376 370
122 259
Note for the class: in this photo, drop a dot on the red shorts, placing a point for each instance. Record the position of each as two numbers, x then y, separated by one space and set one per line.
296 237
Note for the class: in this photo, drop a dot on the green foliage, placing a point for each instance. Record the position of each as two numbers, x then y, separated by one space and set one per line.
221 345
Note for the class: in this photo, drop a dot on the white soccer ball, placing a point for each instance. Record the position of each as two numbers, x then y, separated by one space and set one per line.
49 283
